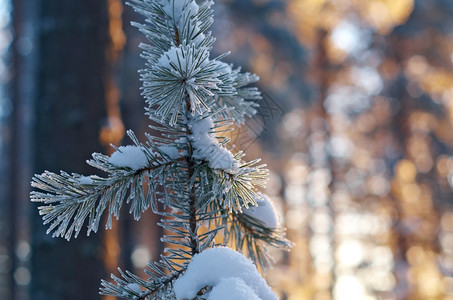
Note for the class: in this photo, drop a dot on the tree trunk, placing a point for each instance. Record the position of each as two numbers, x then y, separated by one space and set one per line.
69 109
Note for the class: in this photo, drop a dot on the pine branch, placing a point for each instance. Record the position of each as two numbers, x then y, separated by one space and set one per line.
178 63
129 286
192 200
174 262
238 189
71 198
188 170
250 235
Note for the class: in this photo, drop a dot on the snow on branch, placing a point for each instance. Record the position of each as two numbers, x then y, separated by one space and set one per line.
134 157
264 212
206 146
72 198
214 269
129 157
253 233
232 288
175 9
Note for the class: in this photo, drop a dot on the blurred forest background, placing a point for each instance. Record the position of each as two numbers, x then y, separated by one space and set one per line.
356 126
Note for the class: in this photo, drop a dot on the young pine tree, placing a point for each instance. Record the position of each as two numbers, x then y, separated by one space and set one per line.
207 196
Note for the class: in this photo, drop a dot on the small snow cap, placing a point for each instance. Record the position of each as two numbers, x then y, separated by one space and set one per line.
264 212
129 156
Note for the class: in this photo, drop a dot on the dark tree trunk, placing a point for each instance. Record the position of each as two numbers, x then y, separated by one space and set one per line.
69 109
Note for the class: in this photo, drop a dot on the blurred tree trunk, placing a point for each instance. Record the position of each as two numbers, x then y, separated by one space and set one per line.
69 109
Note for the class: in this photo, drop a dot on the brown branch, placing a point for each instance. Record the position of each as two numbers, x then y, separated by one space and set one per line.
190 169
177 38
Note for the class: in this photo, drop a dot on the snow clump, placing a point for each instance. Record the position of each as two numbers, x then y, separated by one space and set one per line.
176 8
170 151
226 271
232 288
207 147
85 180
264 212
133 288
129 157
